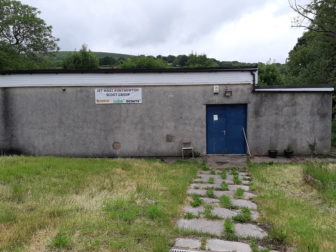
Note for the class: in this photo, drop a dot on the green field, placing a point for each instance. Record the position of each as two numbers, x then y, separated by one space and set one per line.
73 204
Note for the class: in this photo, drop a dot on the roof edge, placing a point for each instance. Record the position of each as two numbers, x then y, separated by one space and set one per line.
296 89
133 70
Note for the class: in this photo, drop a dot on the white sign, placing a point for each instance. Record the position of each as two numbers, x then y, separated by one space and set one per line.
215 117
118 95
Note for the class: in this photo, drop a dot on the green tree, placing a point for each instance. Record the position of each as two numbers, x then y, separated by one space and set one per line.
24 31
84 59
107 61
201 60
269 74
142 61
313 59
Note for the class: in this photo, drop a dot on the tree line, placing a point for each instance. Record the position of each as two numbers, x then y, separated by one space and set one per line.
26 42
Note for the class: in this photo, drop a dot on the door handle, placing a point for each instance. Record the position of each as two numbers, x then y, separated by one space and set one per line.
224 131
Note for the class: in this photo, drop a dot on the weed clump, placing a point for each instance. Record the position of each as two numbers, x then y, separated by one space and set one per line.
196 200
225 202
239 193
210 193
245 215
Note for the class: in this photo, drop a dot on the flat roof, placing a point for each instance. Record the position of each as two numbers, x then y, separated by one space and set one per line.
134 70
303 88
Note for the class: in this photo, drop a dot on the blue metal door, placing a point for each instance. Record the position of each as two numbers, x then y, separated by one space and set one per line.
225 125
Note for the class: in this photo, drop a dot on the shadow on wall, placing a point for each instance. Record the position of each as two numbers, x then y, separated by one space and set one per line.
9 152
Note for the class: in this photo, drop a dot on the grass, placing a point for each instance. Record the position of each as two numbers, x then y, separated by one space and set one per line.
223 175
225 202
49 203
244 216
229 230
236 179
326 175
224 186
298 214
211 180
210 193
196 200
239 193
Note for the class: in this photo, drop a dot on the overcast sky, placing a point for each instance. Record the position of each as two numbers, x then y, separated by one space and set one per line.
243 30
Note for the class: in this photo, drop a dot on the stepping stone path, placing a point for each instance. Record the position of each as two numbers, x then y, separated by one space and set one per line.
211 210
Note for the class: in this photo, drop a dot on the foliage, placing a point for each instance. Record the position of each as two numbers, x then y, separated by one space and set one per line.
84 59
269 74
142 61
313 59
24 31
202 60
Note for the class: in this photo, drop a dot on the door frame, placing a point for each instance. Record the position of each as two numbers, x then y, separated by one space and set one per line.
206 126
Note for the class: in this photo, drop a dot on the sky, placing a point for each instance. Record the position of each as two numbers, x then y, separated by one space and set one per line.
242 30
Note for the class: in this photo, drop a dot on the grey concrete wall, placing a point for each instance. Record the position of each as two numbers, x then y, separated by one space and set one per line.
296 119
3 142
50 121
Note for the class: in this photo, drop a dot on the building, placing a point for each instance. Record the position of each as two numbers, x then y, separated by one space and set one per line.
153 112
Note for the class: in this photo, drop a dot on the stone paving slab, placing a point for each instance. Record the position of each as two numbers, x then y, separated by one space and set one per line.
254 215
235 187
196 191
207 176
221 193
248 195
244 203
209 200
223 212
205 186
227 246
205 181
188 243
214 227
193 210
249 231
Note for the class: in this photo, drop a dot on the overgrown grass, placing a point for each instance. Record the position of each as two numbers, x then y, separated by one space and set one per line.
298 214
49 203
225 202
239 193
210 193
325 174
196 200
244 216
224 186
229 232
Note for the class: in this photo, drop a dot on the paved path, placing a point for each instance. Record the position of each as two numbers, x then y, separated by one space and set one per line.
219 214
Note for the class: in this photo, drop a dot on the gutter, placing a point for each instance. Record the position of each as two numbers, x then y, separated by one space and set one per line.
253 80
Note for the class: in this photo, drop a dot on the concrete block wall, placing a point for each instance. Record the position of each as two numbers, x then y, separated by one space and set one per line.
296 119
65 121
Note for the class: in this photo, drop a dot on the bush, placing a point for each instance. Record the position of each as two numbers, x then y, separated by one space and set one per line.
84 59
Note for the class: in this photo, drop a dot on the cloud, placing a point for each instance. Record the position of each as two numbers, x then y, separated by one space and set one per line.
218 28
